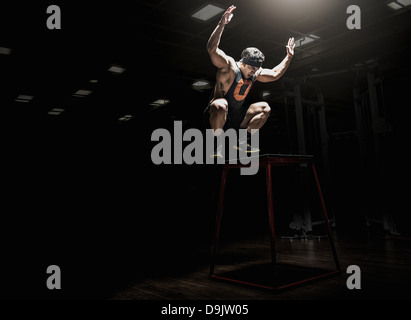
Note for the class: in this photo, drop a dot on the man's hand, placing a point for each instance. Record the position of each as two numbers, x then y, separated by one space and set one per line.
218 57
290 47
226 18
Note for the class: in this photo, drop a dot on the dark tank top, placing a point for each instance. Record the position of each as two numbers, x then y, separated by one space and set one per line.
238 91
235 97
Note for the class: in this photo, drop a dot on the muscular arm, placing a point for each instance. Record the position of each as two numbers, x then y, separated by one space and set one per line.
218 57
268 75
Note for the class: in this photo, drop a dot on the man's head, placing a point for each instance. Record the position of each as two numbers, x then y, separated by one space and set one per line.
251 60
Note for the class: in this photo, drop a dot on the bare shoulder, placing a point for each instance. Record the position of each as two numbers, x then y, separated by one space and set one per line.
226 74
229 67
225 77
232 64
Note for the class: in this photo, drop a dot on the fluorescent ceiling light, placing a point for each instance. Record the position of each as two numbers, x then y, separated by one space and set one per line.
23 98
399 4
82 93
207 12
201 85
314 36
394 5
125 118
116 69
404 2
305 40
5 51
160 102
55 111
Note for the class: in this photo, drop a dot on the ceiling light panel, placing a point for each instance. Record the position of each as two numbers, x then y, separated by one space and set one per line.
116 69
404 2
5 51
394 5
207 12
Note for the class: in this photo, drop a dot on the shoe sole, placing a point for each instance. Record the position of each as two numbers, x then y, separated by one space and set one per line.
239 149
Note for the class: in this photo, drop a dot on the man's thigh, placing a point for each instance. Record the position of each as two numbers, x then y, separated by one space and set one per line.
256 108
253 110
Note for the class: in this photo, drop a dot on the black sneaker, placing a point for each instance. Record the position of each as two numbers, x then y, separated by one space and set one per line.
245 146
217 152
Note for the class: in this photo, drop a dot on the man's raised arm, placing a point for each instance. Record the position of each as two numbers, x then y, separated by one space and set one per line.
267 75
218 57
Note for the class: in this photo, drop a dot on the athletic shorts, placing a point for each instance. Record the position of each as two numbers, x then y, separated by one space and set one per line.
234 119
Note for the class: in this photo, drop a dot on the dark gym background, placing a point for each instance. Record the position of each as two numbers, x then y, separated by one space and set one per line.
79 189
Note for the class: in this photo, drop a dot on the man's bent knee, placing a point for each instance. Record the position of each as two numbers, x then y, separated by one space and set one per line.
266 109
260 107
219 105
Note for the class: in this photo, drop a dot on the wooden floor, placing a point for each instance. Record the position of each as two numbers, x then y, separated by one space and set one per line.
385 266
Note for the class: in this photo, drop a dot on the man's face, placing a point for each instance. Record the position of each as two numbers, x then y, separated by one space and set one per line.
248 71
